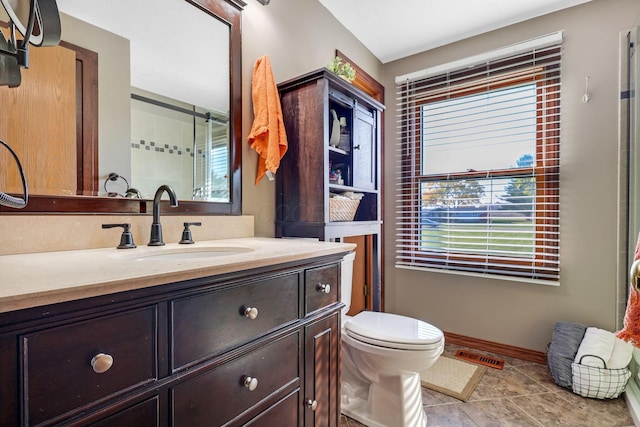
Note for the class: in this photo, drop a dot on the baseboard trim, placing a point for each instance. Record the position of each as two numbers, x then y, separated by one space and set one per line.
494 347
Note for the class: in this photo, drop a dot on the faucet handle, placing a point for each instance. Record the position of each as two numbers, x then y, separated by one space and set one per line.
126 239
186 233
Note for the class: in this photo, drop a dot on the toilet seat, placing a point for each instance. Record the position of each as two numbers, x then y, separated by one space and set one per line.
393 331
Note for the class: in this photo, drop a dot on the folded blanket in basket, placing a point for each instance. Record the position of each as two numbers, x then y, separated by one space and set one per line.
597 343
600 346
565 341
621 355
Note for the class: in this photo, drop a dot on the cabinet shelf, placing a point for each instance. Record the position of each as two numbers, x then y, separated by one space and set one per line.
342 188
340 229
338 151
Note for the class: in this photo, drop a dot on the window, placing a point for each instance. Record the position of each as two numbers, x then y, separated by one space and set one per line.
211 163
479 166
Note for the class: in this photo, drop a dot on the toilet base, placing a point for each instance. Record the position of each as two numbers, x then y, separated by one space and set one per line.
394 401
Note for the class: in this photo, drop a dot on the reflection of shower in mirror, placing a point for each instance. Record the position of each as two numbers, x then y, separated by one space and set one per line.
184 145
11 201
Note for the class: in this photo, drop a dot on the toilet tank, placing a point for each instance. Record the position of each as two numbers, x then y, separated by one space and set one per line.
346 279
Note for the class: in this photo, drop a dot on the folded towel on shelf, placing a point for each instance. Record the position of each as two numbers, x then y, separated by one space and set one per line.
350 195
596 347
268 136
621 355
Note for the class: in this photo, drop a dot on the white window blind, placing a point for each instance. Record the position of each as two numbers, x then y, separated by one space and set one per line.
478 181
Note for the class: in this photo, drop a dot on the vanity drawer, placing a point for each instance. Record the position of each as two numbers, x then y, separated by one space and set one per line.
320 287
208 324
283 414
144 414
57 372
220 395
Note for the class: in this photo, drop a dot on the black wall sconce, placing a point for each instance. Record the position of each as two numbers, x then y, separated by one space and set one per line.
264 2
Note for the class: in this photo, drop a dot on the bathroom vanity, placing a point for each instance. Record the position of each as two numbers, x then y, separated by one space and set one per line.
248 338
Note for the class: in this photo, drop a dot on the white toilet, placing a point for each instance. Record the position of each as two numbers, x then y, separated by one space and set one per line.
382 357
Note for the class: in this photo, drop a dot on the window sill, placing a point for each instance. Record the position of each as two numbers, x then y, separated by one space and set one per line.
482 275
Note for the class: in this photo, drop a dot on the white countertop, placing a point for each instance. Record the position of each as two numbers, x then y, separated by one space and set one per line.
30 280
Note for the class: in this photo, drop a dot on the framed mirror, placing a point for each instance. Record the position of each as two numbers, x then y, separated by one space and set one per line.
158 101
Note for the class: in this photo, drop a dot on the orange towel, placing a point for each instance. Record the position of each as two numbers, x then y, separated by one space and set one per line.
267 136
631 330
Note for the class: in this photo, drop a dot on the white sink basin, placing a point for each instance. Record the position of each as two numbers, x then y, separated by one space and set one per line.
178 254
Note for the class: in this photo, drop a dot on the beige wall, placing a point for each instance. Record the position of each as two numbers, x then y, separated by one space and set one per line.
114 90
522 314
508 312
295 46
299 36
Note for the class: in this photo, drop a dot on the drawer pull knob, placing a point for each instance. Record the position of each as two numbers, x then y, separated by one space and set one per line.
101 363
324 288
251 383
251 312
311 404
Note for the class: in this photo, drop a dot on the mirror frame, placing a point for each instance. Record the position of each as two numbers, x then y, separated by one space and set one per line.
228 12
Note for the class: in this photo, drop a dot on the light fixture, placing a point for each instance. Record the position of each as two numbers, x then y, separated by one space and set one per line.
264 2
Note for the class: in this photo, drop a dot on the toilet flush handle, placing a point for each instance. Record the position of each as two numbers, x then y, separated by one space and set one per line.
324 288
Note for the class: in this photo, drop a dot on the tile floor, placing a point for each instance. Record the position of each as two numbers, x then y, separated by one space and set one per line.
522 394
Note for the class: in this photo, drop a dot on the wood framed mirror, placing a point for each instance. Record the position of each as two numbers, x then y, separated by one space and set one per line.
86 194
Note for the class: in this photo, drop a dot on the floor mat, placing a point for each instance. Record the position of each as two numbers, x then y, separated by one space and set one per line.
453 377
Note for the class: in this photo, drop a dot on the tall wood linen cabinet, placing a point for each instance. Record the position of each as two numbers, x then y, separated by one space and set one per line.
333 130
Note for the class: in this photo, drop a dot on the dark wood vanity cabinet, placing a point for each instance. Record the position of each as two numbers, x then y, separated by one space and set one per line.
258 347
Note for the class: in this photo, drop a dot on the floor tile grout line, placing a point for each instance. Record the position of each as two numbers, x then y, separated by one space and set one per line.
543 385
444 404
508 397
487 399
535 420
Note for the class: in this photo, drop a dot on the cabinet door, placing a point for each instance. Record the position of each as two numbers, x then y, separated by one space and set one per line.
42 108
322 374
364 149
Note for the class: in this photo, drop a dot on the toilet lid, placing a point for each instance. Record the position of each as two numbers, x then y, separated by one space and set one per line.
393 331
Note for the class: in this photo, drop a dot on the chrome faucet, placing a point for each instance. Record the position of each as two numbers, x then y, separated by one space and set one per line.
156 227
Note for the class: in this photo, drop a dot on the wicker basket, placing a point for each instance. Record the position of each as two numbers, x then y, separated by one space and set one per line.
598 383
342 209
